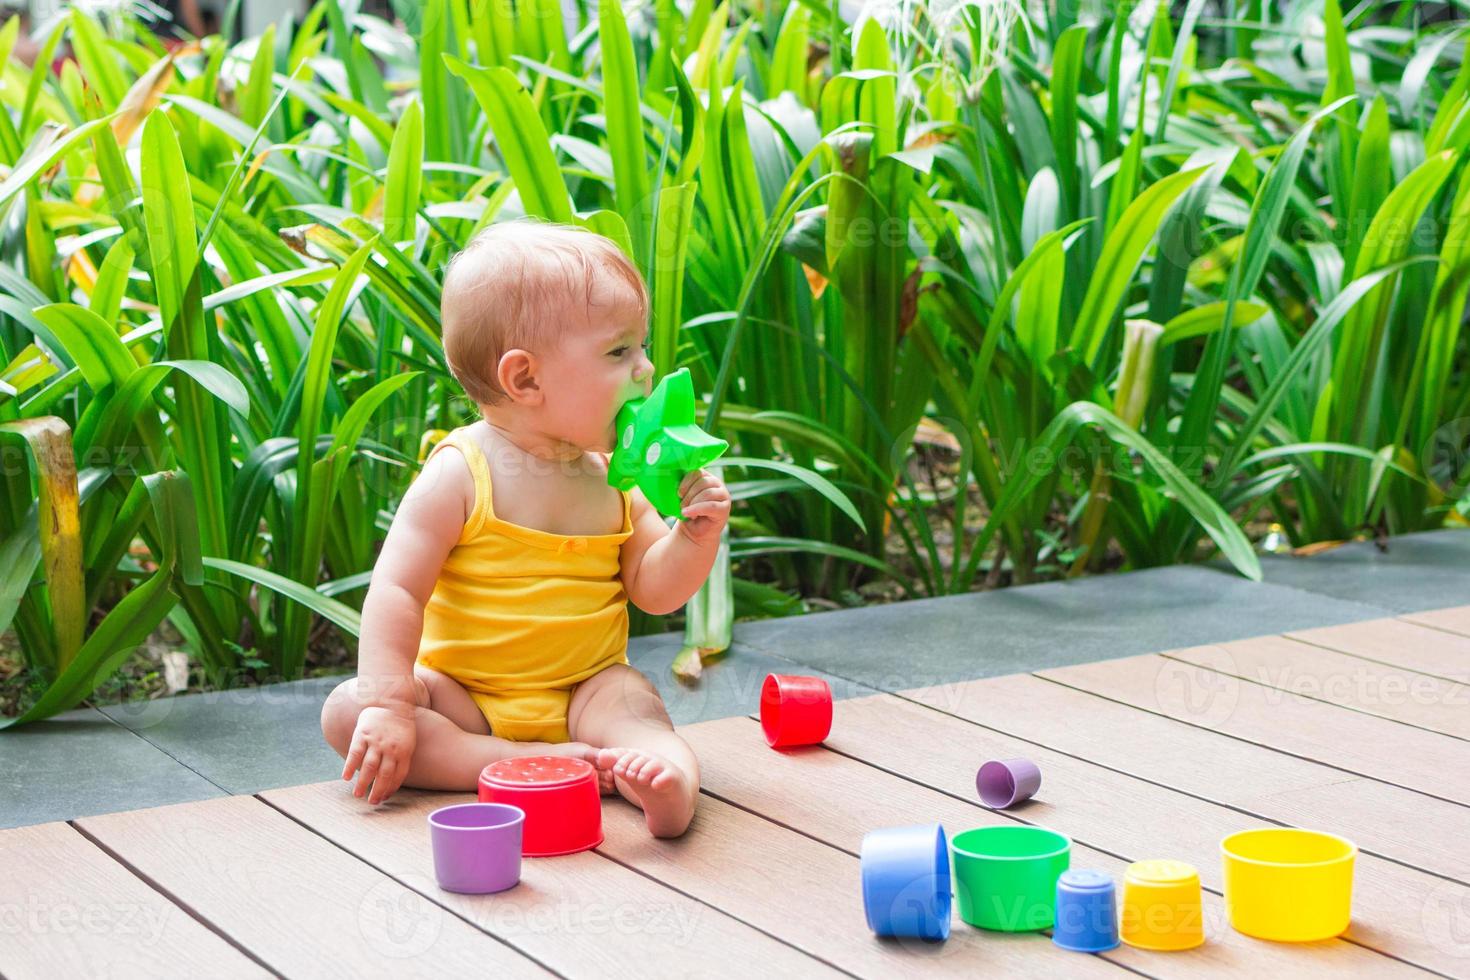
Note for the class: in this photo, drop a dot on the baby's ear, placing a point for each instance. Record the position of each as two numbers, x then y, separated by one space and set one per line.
516 373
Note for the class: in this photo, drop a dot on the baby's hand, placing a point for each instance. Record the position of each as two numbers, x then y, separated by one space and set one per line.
704 505
382 746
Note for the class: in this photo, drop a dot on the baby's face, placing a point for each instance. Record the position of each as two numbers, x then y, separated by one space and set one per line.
598 365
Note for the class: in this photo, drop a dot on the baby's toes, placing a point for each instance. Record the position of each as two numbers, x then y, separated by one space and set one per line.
609 758
636 765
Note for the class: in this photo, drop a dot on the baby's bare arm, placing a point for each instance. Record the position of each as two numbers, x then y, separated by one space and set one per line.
425 529
663 567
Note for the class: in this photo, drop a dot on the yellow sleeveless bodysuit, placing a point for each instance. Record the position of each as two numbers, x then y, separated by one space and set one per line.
519 616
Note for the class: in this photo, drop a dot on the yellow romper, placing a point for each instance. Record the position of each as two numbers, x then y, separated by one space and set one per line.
519 616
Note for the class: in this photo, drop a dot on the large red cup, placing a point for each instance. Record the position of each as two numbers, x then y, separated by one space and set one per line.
795 710
560 796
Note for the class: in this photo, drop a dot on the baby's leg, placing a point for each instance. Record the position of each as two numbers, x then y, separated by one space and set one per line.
452 739
619 710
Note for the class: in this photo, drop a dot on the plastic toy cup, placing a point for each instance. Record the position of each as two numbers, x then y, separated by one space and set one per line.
559 796
1007 876
1006 782
1161 906
1288 885
1087 912
795 710
477 846
906 882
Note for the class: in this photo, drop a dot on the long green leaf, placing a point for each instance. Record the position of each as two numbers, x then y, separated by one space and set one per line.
1122 253
49 440
520 137
405 175
624 119
1210 516
816 481
337 613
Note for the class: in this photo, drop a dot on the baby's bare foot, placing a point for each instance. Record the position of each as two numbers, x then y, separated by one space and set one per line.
661 788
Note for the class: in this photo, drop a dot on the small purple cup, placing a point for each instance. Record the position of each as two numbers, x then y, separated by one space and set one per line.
477 846
1006 782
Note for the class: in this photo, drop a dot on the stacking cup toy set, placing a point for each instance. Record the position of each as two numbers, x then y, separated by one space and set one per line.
1086 919
795 710
1161 906
1287 884
1006 877
559 796
1003 783
536 806
477 846
1281 883
906 886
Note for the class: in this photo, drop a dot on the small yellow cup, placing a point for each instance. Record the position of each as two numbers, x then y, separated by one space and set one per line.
1161 906
1288 885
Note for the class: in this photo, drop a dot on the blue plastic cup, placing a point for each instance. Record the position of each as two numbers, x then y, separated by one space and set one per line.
1087 912
906 887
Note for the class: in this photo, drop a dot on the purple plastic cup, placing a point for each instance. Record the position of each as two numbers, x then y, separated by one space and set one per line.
1006 782
477 846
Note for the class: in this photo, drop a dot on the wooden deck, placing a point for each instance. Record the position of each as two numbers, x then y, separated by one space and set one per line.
1360 729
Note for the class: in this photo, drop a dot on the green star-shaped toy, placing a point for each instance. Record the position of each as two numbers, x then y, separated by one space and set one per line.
659 443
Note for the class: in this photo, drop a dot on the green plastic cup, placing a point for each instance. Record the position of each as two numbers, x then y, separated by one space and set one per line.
1006 877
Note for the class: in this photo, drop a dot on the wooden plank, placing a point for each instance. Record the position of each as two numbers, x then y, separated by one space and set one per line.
297 901
1396 693
1456 619
67 909
1423 831
1398 642
580 914
1321 732
799 789
1129 817
803 891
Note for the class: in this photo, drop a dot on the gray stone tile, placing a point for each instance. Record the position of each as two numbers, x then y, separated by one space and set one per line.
245 740
986 634
729 686
79 763
1429 570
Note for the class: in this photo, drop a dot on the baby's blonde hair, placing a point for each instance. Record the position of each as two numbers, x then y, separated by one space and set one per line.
512 286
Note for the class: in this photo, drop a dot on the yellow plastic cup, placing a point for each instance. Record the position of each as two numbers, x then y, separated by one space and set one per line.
1289 885
1161 906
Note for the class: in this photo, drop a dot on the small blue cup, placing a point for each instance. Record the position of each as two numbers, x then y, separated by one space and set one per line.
906 885
1087 912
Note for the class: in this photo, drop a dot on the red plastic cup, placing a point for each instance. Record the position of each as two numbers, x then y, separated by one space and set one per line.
795 710
560 796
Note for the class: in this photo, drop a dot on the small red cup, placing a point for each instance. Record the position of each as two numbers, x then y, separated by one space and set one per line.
795 710
560 796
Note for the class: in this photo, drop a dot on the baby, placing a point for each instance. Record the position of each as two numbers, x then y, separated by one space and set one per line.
496 624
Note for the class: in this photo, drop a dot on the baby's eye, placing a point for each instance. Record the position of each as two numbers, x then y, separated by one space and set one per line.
619 351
